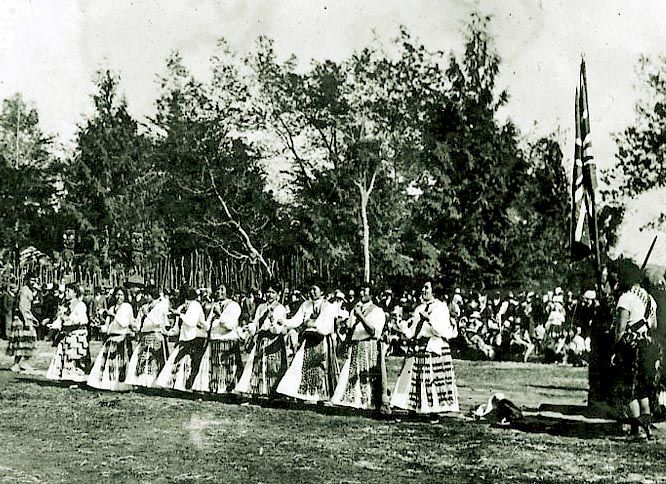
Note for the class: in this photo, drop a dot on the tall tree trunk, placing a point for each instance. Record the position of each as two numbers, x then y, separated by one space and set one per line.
366 235
365 191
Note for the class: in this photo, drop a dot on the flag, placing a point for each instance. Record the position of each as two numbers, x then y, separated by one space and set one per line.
584 239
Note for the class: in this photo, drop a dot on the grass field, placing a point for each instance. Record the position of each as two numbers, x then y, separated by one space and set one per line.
51 433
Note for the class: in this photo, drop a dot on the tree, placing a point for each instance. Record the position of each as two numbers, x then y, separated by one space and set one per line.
351 129
473 172
543 217
214 193
28 175
111 182
641 147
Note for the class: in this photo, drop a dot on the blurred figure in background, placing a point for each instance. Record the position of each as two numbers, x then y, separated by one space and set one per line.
7 297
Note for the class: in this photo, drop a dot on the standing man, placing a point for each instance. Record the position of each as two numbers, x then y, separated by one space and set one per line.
636 353
7 307
427 382
22 336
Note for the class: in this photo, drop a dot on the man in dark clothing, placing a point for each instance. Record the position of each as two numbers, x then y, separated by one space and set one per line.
7 297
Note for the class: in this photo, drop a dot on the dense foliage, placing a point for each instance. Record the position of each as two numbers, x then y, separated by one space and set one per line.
398 167
641 147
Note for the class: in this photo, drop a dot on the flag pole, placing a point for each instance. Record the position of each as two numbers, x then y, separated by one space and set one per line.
595 230
647 257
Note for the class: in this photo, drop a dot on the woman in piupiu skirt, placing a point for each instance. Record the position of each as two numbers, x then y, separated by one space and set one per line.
267 361
150 349
71 361
110 368
21 333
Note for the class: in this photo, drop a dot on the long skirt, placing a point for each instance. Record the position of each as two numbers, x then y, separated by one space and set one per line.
110 368
265 367
427 383
360 383
220 367
313 373
183 365
148 359
71 361
22 338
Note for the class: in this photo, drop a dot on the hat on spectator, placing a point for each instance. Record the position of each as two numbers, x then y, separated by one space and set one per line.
590 294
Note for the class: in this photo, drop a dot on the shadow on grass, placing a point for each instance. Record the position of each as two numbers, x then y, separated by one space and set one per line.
537 424
579 421
560 387
229 399
41 382
579 426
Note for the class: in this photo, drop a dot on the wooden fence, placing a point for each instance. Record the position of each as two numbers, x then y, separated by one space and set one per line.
198 270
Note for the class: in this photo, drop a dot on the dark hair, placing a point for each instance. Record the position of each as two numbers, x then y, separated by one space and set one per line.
121 289
627 273
30 275
189 293
75 287
152 291
437 288
270 284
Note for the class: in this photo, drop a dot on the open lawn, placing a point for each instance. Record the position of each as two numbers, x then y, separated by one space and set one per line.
51 433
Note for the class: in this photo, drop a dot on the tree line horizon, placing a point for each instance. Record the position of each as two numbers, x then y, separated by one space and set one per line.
397 164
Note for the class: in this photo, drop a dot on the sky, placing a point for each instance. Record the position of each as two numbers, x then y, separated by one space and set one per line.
49 52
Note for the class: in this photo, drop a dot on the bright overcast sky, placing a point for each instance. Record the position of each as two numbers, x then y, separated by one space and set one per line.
49 50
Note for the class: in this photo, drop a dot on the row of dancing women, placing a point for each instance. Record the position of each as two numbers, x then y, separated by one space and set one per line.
207 356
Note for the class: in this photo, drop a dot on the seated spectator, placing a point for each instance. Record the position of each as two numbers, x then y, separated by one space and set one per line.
520 343
539 337
554 350
556 310
577 353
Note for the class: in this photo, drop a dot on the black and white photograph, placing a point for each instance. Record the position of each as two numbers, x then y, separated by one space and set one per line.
332 241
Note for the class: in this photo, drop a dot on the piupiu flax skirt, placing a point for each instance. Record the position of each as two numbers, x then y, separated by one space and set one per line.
427 383
148 359
359 385
71 361
265 367
110 368
183 365
220 367
22 338
313 373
